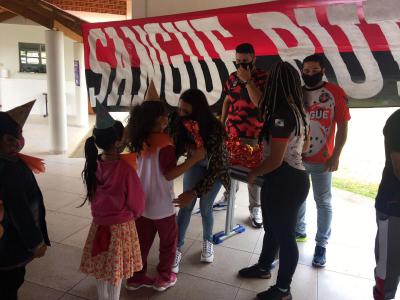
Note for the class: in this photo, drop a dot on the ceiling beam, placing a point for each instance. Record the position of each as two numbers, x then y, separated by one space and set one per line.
46 15
5 15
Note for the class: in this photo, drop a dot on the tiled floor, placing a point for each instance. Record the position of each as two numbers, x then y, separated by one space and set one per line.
348 275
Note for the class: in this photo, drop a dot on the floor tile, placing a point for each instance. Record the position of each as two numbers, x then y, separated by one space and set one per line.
78 239
54 199
61 226
224 268
58 269
333 286
31 291
195 288
245 295
76 209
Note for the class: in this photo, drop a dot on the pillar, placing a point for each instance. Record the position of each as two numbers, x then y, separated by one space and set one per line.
81 96
56 91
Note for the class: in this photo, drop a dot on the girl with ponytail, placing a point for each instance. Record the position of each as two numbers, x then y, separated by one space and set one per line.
116 197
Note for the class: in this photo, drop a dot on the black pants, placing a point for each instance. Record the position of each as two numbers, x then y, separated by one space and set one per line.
282 194
10 282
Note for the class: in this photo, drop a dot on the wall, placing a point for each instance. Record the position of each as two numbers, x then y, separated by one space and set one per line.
19 88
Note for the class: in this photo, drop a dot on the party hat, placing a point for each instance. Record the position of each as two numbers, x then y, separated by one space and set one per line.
103 117
21 113
151 93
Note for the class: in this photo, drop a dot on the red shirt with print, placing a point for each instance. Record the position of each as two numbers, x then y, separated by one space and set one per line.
327 106
243 118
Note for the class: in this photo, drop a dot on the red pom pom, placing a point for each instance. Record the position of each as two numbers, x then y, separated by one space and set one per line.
194 130
244 155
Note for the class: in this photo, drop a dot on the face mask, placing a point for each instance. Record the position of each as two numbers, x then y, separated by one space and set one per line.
244 65
312 80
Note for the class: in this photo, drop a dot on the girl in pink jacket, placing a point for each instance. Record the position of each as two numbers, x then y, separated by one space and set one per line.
115 194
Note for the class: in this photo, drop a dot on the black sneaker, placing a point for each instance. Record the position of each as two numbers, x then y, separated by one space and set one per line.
274 293
255 272
319 259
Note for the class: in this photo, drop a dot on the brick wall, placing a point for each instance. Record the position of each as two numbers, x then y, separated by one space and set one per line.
117 7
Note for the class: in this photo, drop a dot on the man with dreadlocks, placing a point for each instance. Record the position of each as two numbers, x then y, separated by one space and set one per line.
286 184
327 105
240 116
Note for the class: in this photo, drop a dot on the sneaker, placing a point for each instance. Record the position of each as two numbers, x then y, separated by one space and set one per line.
133 284
178 258
207 253
319 259
256 217
255 272
301 237
221 204
274 293
161 285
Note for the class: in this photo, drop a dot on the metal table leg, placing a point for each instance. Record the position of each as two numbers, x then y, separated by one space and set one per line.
230 229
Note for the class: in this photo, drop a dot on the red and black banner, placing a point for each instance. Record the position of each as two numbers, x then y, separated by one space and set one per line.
359 39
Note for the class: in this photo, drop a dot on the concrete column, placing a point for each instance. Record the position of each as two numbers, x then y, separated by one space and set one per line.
81 96
56 91
139 9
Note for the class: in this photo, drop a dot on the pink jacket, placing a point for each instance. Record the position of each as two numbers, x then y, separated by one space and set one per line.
119 196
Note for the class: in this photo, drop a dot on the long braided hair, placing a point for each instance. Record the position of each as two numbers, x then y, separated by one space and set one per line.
283 90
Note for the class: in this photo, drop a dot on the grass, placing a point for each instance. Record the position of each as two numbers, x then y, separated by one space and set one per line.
361 188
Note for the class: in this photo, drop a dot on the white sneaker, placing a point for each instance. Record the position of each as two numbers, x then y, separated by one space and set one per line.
207 253
256 217
178 258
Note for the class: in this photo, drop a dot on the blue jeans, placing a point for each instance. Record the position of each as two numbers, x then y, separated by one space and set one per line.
190 179
321 184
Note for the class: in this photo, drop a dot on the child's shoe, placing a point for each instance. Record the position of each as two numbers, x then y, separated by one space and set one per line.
161 285
134 284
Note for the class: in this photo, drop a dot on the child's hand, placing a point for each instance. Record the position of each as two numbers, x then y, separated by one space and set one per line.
40 251
199 154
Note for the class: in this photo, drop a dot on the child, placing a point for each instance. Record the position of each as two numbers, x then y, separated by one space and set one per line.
112 250
156 168
22 216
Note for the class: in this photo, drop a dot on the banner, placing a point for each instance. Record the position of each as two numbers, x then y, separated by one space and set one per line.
359 39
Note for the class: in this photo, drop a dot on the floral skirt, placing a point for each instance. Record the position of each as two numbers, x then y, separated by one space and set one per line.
120 260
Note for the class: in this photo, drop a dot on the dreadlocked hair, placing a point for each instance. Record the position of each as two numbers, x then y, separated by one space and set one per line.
103 139
143 118
283 90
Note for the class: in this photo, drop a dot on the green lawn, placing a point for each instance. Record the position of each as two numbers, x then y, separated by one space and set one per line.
365 189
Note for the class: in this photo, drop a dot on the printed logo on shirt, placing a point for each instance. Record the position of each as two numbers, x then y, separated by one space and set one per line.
320 114
279 123
324 97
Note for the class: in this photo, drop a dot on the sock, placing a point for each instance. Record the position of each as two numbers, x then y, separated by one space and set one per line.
114 290
102 289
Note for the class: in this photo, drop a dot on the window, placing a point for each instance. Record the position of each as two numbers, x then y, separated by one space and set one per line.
32 58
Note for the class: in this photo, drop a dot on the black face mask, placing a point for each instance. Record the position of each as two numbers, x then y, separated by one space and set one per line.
312 80
244 65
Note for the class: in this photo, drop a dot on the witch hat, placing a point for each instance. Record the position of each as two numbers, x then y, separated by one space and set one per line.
20 113
151 93
103 118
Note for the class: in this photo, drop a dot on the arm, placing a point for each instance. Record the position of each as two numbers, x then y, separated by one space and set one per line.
332 163
254 92
225 108
273 161
134 193
182 168
217 169
395 157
